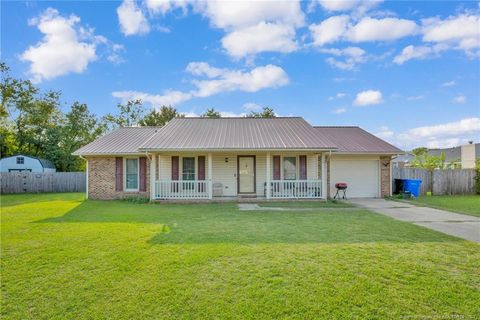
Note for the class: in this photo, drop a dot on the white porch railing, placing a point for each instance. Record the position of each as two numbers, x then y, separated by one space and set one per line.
305 189
193 189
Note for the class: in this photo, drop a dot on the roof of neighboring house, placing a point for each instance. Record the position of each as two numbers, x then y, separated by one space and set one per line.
44 162
237 133
356 140
124 140
451 154
407 157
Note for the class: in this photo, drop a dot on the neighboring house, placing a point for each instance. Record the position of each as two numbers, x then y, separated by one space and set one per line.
453 156
204 158
403 160
20 162
463 156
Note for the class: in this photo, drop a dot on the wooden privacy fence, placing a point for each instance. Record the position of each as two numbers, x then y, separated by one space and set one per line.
445 182
28 182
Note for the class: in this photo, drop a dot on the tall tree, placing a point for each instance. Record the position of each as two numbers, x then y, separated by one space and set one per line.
160 118
211 113
79 127
266 113
129 114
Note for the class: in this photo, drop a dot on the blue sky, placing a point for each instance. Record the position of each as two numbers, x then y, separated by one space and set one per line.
407 71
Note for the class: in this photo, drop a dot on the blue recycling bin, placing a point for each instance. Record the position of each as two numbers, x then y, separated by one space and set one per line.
413 186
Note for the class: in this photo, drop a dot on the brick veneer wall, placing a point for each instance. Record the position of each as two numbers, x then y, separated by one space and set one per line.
101 180
385 179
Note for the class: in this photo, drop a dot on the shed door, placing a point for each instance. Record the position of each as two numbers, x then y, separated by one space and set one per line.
361 176
246 174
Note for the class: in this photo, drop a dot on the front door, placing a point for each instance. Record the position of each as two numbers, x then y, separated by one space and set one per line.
246 174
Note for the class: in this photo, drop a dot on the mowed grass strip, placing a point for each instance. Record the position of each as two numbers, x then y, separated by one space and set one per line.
467 204
307 204
63 257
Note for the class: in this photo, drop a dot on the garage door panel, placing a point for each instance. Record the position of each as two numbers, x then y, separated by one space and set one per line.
361 176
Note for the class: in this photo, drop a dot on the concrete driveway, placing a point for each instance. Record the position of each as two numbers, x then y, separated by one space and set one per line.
455 224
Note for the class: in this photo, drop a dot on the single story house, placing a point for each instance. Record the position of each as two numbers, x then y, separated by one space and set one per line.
205 158
24 163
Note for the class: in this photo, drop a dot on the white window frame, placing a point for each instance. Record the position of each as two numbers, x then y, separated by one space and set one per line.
125 174
297 167
180 167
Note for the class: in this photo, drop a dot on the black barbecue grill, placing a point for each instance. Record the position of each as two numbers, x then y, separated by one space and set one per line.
341 186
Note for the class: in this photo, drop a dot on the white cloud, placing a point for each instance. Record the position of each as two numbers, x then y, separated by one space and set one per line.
441 135
169 97
251 106
462 32
351 57
415 98
359 6
232 15
329 30
339 95
368 97
215 81
262 37
418 52
386 29
251 26
229 114
269 76
449 83
131 18
339 110
66 47
368 29
385 133
459 99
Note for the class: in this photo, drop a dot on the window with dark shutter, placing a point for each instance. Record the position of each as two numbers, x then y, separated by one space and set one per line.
276 167
303 167
201 167
143 174
119 174
175 168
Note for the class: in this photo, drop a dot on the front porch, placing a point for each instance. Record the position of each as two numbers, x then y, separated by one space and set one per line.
237 176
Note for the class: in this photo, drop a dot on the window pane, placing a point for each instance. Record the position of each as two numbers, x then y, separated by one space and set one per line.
188 168
131 174
289 168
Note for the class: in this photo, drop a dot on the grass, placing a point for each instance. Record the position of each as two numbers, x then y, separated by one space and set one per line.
306 204
66 258
468 204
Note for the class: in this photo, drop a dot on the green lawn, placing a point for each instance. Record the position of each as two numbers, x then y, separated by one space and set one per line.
463 204
306 204
65 258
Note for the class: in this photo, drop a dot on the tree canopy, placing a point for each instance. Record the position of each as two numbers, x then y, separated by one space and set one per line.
211 113
265 113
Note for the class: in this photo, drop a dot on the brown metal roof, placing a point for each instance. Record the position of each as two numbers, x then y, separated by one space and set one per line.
355 140
237 133
120 141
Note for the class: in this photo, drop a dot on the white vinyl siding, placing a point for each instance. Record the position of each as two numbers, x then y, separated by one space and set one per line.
224 168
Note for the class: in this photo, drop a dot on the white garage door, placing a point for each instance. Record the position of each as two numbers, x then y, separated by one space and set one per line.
361 176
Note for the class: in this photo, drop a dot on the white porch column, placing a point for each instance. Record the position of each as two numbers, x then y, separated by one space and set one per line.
210 177
153 174
267 189
324 177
